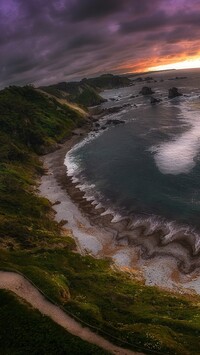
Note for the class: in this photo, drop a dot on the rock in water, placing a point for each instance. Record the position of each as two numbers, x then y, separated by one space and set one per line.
173 92
146 91
154 100
114 122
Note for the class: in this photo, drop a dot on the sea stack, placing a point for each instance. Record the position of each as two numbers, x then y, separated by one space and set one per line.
153 100
146 91
173 92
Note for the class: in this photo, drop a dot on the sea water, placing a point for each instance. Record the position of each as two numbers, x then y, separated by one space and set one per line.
149 167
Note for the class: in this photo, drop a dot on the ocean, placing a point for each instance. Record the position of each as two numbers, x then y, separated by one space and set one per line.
147 170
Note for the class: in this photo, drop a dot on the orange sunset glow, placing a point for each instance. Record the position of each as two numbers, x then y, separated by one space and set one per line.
186 64
92 37
157 64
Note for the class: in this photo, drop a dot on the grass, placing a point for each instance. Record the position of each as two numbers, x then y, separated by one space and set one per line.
81 93
30 124
90 289
31 242
25 331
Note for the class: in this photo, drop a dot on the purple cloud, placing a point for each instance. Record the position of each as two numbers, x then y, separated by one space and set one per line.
46 41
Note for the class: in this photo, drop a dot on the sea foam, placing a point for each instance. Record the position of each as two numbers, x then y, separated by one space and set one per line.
178 155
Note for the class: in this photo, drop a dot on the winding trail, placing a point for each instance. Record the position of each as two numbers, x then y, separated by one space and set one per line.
18 284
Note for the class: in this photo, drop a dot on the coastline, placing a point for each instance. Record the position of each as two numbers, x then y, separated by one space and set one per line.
97 235
79 217
54 186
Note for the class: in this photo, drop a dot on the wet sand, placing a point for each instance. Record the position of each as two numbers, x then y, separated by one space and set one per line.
130 248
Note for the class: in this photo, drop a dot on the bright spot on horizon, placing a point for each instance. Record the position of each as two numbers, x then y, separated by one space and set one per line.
186 64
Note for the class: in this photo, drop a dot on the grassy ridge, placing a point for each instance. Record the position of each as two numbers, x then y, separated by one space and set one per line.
30 123
78 92
31 242
34 121
86 91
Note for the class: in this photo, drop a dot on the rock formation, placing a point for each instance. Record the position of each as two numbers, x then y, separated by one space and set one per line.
154 101
173 92
146 91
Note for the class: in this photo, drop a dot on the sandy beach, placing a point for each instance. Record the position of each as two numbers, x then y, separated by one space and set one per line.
96 234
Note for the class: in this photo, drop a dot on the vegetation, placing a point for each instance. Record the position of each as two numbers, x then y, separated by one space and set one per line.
25 331
86 92
143 316
80 93
108 81
152 321
30 119
30 123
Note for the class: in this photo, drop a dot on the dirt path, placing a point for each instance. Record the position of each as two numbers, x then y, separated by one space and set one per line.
23 288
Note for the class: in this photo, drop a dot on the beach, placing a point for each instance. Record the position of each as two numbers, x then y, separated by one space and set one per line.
97 234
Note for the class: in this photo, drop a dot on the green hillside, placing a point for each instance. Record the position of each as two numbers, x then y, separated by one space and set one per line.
34 120
80 93
108 81
25 331
87 91
30 124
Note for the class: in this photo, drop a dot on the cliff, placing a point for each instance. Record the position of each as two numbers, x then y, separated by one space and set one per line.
87 91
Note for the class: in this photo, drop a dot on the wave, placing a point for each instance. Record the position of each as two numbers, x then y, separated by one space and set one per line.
153 234
73 167
163 238
179 155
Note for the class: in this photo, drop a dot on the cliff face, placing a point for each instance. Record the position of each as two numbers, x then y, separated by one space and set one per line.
86 92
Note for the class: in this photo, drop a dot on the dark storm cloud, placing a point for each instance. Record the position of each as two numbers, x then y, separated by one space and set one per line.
145 23
44 41
88 9
82 10
85 40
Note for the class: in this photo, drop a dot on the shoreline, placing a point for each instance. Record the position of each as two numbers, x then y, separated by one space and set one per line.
55 187
97 235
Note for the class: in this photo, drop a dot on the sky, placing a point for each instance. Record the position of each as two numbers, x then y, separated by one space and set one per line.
48 41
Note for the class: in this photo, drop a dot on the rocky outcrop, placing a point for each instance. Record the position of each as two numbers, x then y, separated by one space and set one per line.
109 110
178 78
154 101
173 92
111 122
114 122
146 90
